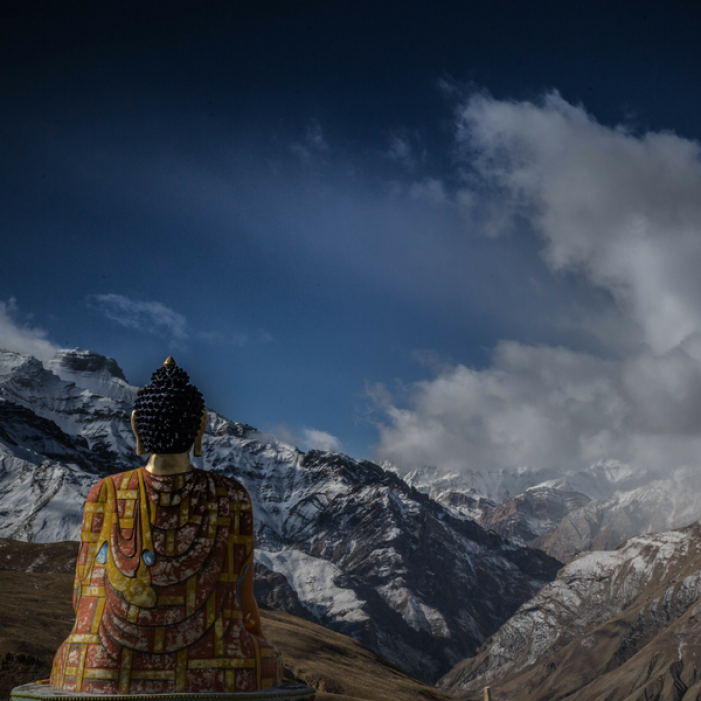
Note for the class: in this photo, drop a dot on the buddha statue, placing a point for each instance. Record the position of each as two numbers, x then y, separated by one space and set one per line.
164 581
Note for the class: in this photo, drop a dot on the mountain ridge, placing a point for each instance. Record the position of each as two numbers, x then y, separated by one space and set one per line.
598 508
327 522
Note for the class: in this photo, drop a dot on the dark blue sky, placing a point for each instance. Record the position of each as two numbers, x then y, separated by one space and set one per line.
268 190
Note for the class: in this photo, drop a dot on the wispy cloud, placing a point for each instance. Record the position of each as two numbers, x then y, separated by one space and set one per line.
315 136
307 439
147 317
312 438
21 337
230 339
429 190
314 143
401 151
406 148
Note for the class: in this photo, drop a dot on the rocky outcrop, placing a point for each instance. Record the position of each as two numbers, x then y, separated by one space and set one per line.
527 517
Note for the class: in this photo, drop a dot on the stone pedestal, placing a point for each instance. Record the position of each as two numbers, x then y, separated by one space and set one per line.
285 692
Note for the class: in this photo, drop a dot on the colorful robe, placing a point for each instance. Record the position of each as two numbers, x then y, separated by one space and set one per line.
157 590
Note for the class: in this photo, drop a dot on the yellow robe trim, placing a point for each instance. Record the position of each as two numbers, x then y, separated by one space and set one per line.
136 590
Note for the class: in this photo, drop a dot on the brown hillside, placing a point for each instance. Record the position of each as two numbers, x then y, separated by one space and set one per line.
646 648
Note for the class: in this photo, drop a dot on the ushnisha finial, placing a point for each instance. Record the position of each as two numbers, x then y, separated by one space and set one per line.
169 412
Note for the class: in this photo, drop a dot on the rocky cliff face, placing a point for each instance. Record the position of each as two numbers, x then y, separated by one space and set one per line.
613 625
354 545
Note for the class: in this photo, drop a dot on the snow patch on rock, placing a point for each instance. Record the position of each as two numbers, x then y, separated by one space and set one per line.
314 581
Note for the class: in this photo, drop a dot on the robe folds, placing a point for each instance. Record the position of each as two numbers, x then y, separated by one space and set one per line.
157 600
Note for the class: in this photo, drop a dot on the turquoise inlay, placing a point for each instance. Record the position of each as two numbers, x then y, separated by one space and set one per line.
238 585
149 557
102 555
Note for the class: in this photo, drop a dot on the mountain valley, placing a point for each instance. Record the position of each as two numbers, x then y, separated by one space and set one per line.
455 579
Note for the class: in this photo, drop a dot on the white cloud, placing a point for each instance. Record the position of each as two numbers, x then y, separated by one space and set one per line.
308 439
622 213
22 338
621 210
281 432
147 317
319 440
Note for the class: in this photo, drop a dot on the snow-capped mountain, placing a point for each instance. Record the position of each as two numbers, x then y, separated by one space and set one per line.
361 550
660 505
566 514
601 479
620 624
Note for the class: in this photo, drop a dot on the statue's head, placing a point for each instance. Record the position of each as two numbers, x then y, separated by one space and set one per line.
169 414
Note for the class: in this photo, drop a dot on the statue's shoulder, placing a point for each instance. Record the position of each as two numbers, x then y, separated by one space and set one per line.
235 490
98 492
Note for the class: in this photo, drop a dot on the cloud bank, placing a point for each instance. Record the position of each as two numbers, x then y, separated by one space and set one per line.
554 407
22 338
622 213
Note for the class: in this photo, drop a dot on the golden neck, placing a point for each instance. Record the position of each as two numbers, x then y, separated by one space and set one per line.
169 463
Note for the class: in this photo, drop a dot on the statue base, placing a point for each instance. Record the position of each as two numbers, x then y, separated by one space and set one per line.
44 692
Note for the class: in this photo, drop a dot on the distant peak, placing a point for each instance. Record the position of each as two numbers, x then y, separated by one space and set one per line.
11 361
79 360
14 354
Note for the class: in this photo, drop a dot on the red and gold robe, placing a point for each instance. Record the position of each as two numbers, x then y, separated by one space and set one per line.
157 590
